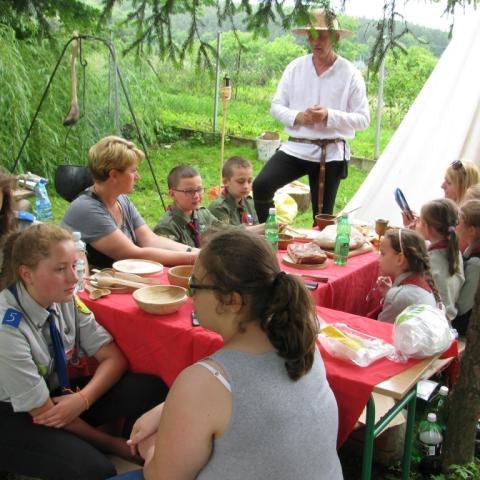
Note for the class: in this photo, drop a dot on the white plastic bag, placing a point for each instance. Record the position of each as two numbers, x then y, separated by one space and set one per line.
343 342
422 331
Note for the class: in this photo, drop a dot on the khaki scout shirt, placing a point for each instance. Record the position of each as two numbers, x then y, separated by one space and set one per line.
174 224
27 372
225 208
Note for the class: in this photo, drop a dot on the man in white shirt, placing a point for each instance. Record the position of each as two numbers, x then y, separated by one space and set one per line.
321 99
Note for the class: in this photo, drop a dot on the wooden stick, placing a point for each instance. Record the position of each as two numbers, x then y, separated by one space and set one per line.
226 95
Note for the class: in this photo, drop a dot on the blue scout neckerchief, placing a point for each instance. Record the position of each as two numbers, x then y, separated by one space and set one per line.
60 358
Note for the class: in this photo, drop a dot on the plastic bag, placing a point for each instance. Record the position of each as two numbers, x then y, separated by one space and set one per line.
343 342
422 331
286 206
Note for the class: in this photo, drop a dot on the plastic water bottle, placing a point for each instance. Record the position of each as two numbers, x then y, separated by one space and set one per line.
271 228
80 269
430 436
342 241
439 406
80 266
43 207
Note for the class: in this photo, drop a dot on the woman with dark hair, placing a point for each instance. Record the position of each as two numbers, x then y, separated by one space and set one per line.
261 406
10 219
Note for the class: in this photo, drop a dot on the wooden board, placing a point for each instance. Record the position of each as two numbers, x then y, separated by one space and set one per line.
365 248
303 266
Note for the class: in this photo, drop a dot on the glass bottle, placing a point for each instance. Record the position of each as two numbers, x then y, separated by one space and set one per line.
271 228
342 241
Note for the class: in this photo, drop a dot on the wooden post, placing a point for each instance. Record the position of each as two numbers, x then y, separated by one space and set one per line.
226 95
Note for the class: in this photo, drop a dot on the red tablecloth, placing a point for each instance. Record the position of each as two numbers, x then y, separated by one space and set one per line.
164 345
353 385
348 285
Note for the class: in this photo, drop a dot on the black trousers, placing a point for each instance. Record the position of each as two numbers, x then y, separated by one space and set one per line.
55 454
282 169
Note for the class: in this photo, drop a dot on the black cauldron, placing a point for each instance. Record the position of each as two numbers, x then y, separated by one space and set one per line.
71 180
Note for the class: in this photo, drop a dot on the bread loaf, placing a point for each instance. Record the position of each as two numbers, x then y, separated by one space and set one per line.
309 253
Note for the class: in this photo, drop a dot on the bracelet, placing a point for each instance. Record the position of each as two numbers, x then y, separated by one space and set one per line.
85 399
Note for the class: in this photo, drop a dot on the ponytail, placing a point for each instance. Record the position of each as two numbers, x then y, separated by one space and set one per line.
241 262
442 216
290 323
452 251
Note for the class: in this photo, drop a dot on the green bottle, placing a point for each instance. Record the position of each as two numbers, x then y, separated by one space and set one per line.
271 229
342 241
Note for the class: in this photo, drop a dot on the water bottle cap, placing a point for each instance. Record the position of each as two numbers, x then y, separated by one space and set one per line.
443 390
432 417
76 236
272 211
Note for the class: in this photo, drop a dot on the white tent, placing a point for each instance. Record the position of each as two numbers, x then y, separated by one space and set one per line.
442 125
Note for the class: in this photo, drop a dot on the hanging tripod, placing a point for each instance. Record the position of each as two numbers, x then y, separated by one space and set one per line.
73 114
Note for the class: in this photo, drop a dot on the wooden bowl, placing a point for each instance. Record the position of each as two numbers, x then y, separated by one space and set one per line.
180 275
160 299
283 240
323 219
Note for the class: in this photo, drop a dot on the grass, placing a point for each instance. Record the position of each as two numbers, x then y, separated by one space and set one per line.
206 158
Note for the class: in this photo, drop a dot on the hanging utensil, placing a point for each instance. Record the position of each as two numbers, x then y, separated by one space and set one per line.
74 111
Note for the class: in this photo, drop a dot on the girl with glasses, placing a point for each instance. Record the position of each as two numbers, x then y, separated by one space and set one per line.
406 278
261 406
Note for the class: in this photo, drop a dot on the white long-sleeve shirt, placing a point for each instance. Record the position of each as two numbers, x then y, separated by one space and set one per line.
340 89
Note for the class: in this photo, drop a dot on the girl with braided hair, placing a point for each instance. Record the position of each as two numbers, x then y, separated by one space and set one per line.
261 406
406 278
437 223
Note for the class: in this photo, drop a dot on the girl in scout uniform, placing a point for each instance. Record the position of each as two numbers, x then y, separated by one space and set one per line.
48 421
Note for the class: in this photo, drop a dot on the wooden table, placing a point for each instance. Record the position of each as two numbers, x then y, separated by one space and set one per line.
164 345
403 389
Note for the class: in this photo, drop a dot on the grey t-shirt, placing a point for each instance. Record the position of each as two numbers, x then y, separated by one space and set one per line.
400 297
88 214
279 429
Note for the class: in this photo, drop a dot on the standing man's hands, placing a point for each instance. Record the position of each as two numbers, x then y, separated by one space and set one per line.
312 115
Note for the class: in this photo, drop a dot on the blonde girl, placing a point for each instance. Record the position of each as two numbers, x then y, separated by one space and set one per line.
437 223
468 231
49 420
460 175
406 278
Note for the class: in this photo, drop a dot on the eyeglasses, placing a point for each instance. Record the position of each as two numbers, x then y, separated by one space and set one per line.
190 193
192 286
458 165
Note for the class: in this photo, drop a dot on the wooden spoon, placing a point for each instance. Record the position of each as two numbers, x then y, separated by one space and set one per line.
107 281
94 293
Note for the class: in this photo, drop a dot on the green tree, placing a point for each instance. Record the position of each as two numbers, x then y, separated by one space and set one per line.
405 76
